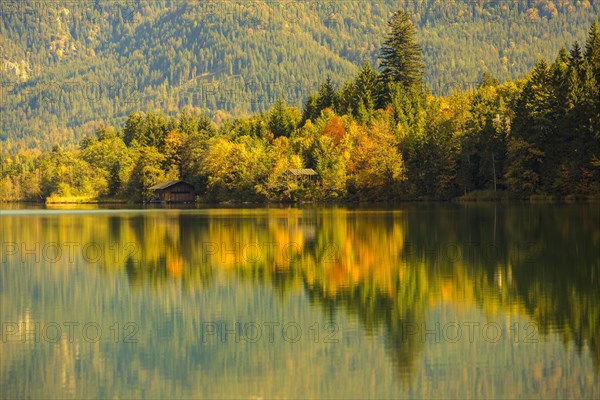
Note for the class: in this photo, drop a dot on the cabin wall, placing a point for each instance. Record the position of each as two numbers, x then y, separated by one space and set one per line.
180 193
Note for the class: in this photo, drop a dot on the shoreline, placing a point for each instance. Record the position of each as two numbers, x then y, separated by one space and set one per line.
478 198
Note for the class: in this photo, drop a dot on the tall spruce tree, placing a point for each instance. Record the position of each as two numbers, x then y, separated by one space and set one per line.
311 110
534 125
401 58
592 50
366 89
280 121
327 95
326 98
576 60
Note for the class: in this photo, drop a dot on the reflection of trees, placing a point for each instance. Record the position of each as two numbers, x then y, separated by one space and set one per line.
542 261
168 249
558 278
376 311
369 278
384 267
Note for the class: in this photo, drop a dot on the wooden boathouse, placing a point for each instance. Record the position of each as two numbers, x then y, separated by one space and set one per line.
173 192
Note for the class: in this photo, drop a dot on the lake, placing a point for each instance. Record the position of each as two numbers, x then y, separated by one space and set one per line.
426 300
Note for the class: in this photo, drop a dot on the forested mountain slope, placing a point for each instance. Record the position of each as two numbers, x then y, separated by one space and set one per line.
68 65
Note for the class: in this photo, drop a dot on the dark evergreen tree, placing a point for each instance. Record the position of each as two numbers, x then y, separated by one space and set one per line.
577 59
488 79
592 50
560 73
366 89
346 99
327 95
310 111
134 127
281 122
401 58
534 125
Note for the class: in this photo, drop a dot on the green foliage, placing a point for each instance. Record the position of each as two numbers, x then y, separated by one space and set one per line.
146 173
65 174
283 120
327 97
96 62
537 136
484 145
234 168
110 157
401 56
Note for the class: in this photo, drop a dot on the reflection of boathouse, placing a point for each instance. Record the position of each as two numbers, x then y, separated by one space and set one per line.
173 192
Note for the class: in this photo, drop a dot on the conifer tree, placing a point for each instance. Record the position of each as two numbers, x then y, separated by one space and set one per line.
281 123
533 126
592 50
488 79
327 95
310 111
401 59
366 88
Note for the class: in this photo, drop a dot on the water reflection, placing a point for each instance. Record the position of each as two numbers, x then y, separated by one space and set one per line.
396 273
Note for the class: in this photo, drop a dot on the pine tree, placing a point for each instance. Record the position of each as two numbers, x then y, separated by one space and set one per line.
576 59
533 126
592 50
401 58
560 73
366 88
310 111
281 122
366 81
326 98
327 95
134 127
488 79
582 122
346 99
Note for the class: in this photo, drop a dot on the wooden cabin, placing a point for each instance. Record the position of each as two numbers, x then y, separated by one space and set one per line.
299 175
173 192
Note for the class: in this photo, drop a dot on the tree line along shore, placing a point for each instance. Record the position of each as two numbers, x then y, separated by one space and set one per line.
379 137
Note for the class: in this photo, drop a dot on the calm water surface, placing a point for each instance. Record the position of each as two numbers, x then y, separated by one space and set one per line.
495 301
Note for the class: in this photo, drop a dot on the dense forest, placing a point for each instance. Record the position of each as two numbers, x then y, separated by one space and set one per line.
380 136
67 67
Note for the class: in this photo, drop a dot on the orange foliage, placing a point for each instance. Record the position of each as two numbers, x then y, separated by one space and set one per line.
335 129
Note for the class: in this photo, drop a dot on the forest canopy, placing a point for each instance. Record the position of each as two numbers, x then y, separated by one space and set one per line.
381 135
67 67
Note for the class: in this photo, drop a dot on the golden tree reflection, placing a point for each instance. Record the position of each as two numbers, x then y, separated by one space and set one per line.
386 268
